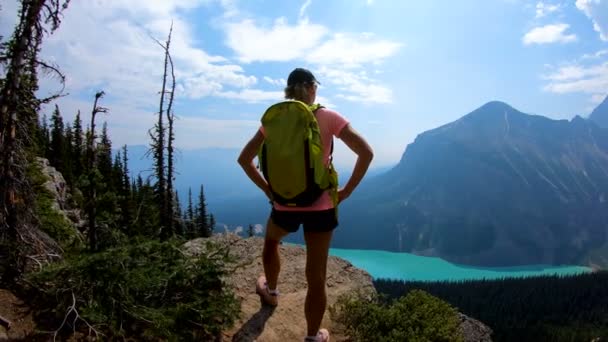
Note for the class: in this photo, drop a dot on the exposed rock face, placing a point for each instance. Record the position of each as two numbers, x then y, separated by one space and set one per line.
286 322
473 330
57 187
56 184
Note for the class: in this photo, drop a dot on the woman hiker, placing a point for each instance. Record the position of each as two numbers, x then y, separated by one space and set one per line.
319 219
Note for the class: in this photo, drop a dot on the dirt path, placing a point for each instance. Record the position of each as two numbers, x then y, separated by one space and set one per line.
12 309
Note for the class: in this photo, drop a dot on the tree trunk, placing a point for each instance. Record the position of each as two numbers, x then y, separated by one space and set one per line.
10 176
170 138
92 165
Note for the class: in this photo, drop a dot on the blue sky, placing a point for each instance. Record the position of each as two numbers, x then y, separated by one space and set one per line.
394 68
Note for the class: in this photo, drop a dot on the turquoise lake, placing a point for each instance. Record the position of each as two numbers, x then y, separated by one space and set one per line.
405 266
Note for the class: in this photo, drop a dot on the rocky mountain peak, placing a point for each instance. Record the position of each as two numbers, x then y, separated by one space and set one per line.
600 114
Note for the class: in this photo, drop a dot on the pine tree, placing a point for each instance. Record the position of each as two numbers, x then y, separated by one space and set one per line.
78 147
202 223
250 231
43 136
190 217
104 155
67 161
57 157
125 194
211 224
177 216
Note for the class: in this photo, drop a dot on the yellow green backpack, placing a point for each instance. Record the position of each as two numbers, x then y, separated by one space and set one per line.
291 156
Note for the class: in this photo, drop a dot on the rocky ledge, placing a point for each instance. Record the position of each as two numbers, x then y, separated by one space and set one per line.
286 322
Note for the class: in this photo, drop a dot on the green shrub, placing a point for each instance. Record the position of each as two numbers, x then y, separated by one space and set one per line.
147 289
415 317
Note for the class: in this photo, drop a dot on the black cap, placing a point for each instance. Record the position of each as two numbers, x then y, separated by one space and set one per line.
301 75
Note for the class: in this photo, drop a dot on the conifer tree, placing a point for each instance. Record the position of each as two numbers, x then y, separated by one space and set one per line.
125 193
67 162
43 138
202 223
56 156
211 224
77 146
190 216
104 155
177 216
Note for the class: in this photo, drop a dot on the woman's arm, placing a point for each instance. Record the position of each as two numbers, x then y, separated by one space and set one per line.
246 157
364 153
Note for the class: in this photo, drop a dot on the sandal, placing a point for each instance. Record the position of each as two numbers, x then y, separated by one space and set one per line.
322 336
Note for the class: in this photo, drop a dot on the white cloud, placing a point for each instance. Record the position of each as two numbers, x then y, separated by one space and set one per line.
106 44
281 82
591 79
258 228
352 50
543 9
554 33
253 43
597 11
252 95
146 7
356 86
596 55
341 56
230 8
304 7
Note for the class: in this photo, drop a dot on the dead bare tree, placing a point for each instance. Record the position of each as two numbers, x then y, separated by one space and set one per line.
92 165
18 116
170 149
164 174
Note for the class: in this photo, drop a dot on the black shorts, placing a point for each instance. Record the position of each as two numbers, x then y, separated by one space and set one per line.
312 221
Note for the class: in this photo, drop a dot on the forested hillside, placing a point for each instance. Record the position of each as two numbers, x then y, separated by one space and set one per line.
550 308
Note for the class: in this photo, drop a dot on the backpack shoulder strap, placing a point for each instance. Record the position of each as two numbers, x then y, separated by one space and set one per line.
315 107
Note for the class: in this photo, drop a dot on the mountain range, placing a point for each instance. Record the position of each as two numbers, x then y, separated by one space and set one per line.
496 187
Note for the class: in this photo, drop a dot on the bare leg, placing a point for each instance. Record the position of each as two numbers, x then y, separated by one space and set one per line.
270 255
317 249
